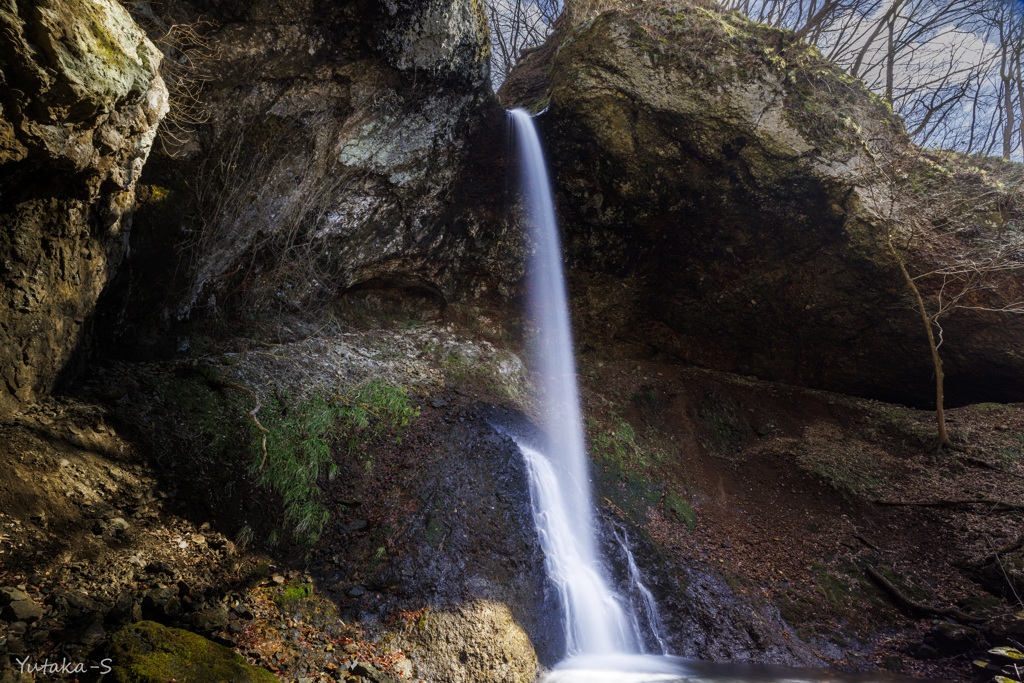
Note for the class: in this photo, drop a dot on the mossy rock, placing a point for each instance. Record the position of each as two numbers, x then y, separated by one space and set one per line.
294 594
147 652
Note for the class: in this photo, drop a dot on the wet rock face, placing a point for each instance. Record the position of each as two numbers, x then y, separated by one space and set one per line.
333 154
472 559
733 181
79 108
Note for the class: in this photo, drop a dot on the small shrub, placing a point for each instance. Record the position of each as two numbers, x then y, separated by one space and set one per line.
307 437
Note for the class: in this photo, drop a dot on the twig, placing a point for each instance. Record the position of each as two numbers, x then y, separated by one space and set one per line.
916 606
251 413
865 541
1009 547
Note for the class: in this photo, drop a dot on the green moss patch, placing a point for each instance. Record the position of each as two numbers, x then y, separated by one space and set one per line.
681 510
150 653
293 594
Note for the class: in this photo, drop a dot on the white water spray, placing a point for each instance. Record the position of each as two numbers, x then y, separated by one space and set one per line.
647 601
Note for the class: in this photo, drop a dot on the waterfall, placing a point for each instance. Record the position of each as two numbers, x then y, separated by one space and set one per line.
596 621
636 586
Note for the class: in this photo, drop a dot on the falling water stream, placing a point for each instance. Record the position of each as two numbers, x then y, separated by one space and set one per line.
595 620
604 633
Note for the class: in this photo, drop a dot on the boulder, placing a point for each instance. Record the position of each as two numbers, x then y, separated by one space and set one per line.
79 108
1002 575
1007 629
475 643
18 606
150 653
161 604
727 196
950 640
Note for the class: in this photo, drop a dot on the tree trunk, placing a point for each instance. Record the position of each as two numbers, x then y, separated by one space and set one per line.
1006 94
940 397
1020 91
890 58
1008 124
890 15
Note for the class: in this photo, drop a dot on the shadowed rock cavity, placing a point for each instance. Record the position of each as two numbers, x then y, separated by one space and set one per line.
342 145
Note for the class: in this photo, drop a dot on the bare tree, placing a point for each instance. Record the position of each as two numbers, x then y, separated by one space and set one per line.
951 68
947 263
517 25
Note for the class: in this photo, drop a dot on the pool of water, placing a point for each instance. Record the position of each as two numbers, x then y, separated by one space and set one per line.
668 669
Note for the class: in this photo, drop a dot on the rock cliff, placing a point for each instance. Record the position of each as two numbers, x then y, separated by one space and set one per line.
327 148
741 191
79 107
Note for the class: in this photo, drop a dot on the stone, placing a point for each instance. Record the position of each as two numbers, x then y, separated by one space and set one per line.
1004 575
15 646
9 595
243 612
950 640
76 130
371 673
209 620
150 653
74 602
404 668
1005 630
126 609
111 528
161 567
21 609
89 631
161 604
39 635
356 525
118 526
